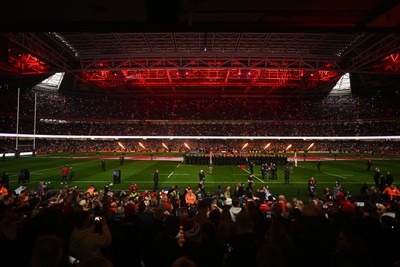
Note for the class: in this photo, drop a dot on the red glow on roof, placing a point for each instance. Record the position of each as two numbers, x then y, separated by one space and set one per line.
209 77
25 64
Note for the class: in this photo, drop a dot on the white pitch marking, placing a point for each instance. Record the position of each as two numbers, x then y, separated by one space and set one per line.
253 175
340 176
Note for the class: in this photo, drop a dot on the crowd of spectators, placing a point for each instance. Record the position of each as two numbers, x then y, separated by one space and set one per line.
224 228
203 128
54 105
90 115
130 108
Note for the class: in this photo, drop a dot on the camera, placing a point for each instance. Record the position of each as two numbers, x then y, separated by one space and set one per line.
360 204
72 260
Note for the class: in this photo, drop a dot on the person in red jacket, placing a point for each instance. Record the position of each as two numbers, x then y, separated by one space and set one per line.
64 174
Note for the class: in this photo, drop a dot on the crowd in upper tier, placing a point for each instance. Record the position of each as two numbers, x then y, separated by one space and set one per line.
108 107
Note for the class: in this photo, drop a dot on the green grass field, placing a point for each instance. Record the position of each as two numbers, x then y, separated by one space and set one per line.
87 170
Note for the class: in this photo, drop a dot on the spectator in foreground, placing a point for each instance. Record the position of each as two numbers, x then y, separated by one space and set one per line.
89 236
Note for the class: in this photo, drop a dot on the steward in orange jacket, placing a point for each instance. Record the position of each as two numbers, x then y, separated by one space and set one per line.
3 190
190 198
391 191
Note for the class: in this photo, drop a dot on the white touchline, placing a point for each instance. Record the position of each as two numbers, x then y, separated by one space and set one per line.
178 165
52 168
328 174
176 174
340 176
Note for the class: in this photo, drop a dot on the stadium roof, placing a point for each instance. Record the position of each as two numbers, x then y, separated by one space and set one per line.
167 48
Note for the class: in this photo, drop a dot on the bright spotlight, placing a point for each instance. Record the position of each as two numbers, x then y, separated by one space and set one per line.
121 145
245 145
267 145
310 146
186 145
164 145
289 146
140 144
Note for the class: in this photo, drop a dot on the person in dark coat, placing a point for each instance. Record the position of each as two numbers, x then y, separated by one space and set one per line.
202 176
155 180
103 165
319 165
312 188
369 164
287 174
389 178
377 175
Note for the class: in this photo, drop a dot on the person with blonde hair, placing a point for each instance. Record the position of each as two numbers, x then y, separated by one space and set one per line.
227 192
